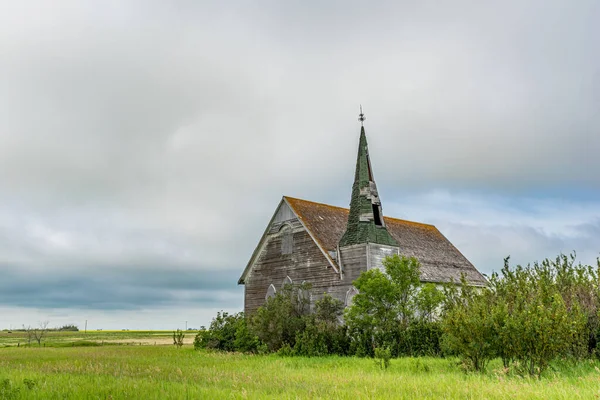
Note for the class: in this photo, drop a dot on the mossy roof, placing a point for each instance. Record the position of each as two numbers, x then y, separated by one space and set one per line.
440 260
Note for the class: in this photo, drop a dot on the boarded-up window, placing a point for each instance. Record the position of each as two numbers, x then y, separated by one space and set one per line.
304 296
287 240
350 295
270 292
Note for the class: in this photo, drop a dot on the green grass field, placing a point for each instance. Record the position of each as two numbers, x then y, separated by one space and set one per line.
157 372
165 372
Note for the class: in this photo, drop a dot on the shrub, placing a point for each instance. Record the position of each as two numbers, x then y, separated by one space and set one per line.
422 338
539 324
528 316
221 334
468 327
281 318
8 390
228 332
68 327
178 337
323 333
246 341
382 357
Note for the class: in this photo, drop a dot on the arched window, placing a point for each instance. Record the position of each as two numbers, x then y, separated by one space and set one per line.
350 295
286 281
287 239
270 292
304 292
304 296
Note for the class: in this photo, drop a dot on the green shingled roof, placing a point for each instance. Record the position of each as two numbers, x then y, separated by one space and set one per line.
364 231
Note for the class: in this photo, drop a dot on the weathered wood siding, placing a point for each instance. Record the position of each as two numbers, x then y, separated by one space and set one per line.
284 213
354 261
376 254
305 263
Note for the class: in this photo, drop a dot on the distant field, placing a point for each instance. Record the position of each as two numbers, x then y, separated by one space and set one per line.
66 338
164 372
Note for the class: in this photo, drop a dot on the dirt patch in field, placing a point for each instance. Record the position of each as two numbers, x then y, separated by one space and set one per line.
152 341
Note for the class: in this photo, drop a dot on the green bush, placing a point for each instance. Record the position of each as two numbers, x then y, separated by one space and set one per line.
246 341
229 332
468 327
323 333
68 327
382 357
528 316
393 310
422 338
282 317
221 335
8 390
178 337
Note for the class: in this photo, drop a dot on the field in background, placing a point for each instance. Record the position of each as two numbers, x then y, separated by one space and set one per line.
165 372
91 338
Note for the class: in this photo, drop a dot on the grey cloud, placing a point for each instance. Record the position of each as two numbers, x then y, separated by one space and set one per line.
118 288
487 245
151 134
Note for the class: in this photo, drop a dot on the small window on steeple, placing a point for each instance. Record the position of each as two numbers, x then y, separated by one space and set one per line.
377 215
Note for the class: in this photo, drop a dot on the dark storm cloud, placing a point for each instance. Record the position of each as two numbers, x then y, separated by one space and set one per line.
160 136
117 288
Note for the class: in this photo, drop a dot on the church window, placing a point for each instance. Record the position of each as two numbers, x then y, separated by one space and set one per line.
286 281
304 296
270 292
350 295
287 240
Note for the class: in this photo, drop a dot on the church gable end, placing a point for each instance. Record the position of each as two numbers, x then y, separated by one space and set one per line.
286 254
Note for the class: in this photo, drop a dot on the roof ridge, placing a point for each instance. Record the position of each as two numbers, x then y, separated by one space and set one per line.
347 209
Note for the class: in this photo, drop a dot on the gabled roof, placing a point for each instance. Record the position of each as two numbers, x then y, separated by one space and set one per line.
440 260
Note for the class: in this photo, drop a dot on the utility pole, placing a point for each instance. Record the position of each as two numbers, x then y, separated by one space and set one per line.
186 325
86 326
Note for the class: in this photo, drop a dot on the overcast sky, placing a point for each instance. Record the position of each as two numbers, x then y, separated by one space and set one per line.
145 145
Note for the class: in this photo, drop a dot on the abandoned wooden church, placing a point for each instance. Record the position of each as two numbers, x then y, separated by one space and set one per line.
330 246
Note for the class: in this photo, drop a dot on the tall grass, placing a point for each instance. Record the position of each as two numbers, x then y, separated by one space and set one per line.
164 372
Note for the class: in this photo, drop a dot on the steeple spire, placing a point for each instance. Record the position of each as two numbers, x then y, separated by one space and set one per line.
365 221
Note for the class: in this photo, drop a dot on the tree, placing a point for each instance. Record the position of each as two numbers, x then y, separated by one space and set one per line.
28 333
178 337
40 332
388 306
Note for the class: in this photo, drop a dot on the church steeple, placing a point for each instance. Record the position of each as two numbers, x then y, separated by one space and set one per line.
365 221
